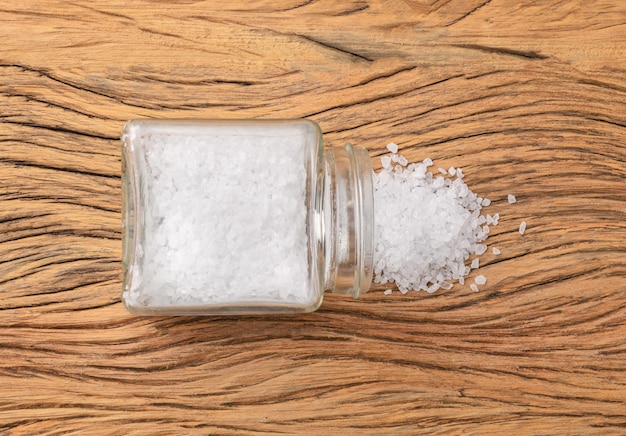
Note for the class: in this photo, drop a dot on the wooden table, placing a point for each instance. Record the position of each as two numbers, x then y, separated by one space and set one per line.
529 99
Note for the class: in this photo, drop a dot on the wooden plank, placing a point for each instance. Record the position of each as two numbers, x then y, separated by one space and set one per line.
528 99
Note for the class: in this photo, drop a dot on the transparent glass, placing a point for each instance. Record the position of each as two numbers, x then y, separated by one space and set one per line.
242 217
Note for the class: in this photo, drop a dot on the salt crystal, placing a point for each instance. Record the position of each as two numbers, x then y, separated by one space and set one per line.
473 287
511 198
385 161
475 264
522 227
388 292
392 147
486 202
480 280
442 170
452 171
480 249
496 251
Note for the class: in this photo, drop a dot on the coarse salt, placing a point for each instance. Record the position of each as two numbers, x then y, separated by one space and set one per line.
246 241
425 227
385 161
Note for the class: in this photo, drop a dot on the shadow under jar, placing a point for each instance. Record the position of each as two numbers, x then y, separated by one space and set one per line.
242 217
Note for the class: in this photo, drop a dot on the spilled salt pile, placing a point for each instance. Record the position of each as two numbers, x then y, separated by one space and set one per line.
426 226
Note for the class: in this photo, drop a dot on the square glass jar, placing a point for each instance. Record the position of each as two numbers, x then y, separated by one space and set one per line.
222 216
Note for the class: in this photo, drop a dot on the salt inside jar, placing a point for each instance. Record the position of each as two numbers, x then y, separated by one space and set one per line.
242 217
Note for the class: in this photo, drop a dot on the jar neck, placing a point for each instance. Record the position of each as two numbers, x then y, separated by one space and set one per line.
348 220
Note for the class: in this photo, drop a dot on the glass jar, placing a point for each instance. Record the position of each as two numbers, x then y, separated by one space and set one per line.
242 217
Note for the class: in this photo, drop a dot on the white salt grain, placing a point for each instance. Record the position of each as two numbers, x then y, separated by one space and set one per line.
480 280
385 161
480 248
442 171
486 202
522 227
388 292
511 198
496 251
392 147
475 264
473 287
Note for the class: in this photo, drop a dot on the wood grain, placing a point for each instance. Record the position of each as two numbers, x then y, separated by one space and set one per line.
528 97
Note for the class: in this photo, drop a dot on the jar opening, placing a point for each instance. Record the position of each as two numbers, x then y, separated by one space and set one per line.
349 220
